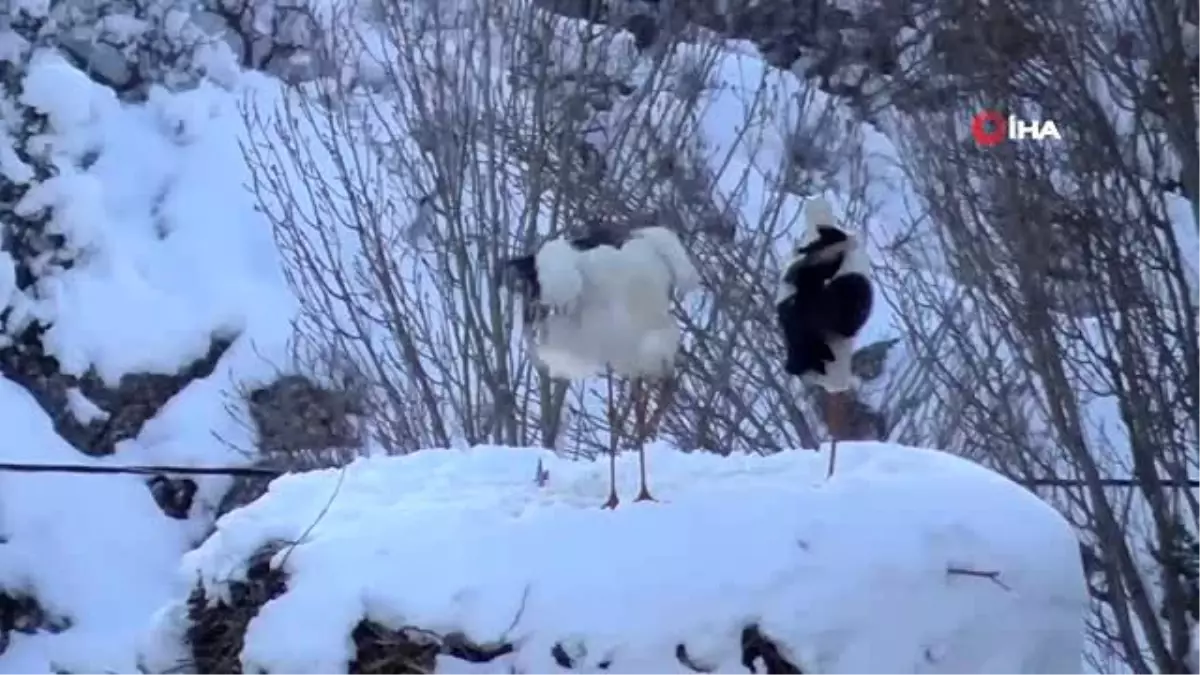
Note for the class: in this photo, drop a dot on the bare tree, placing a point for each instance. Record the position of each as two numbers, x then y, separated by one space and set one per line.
457 135
1051 290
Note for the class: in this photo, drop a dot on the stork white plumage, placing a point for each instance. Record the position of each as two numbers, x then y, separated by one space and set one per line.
603 302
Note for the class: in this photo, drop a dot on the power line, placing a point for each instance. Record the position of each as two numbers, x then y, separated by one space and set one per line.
271 472
145 470
1107 482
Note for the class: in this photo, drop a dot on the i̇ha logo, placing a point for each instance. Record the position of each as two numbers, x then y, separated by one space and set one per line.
992 128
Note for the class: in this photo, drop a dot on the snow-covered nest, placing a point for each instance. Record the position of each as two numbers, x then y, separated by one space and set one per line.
907 560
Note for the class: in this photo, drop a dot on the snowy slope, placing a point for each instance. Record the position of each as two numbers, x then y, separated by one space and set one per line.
853 574
171 254
452 540
94 549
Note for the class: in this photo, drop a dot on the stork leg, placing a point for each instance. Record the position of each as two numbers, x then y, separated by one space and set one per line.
639 402
614 437
835 422
648 428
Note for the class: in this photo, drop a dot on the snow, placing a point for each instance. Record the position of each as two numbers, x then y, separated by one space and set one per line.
168 253
849 574
82 408
96 549
153 218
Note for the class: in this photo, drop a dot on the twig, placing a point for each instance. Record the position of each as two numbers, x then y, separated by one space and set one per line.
666 396
992 575
681 655
320 516
833 422
519 614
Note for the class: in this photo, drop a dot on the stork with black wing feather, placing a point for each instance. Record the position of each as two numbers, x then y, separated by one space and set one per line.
824 299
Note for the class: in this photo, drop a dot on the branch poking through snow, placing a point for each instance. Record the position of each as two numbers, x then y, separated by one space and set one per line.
993 575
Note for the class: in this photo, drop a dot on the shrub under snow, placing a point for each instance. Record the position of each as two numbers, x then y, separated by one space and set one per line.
906 560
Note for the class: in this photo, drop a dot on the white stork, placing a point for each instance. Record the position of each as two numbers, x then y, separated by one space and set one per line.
604 302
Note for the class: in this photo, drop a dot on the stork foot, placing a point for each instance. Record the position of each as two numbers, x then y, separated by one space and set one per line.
612 502
644 496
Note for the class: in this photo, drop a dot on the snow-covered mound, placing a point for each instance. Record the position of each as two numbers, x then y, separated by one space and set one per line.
159 256
906 560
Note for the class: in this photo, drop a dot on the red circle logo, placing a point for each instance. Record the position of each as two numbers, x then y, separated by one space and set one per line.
989 128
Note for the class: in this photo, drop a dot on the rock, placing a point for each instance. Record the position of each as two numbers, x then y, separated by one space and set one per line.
125 409
22 613
217 632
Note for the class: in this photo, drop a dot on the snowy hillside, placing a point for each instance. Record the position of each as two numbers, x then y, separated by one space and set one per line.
162 229
162 297
907 560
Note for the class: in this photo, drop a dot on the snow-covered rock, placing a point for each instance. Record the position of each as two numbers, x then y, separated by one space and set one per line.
161 297
906 560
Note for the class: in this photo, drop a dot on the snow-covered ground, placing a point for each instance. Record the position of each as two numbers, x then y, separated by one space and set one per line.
170 254
853 574
907 560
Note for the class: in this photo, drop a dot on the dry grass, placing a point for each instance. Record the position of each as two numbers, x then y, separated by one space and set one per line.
21 613
217 632
217 635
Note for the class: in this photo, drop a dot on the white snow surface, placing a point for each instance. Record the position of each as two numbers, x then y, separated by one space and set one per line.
847 574
160 210
170 254
91 548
